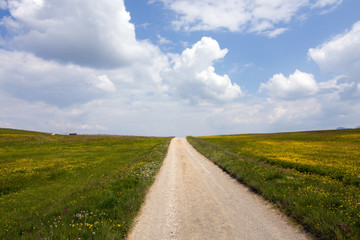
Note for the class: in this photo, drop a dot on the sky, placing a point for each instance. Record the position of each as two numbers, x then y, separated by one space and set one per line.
179 67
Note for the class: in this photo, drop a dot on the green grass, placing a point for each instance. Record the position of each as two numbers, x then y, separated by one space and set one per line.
17 131
70 187
312 176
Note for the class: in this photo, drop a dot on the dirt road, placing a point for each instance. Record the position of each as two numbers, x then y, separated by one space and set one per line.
193 199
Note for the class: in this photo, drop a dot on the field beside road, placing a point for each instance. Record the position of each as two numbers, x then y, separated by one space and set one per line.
312 176
71 187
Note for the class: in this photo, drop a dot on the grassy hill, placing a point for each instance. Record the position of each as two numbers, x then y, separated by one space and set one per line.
17 131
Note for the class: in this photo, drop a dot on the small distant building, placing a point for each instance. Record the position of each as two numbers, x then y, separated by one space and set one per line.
72 134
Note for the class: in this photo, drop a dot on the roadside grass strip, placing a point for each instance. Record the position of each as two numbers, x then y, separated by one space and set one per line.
314 177
74 187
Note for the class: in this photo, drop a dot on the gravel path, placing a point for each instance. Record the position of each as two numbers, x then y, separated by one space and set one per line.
193 199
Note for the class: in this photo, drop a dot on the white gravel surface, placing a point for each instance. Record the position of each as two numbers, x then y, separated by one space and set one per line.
194 199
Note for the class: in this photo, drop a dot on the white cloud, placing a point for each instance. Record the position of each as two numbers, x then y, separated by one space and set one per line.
192 76
340 54
293 113
260 16
18 113
138 113
259 115
33 79
325 3
65 53
104 83
266 115
297 85
129 113
162 40
274 33
85 32
336 85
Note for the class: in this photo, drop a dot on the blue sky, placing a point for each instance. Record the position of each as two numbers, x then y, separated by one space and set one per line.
179 67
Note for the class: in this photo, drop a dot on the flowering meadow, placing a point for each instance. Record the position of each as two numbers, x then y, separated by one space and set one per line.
74 187
314 177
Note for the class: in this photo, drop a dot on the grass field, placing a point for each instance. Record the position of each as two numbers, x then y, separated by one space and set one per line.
312 176
74 187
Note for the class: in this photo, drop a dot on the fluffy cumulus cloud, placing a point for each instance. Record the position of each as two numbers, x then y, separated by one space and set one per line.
33 79
86 32
263 17
340 54
193 77
297 85
66 53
